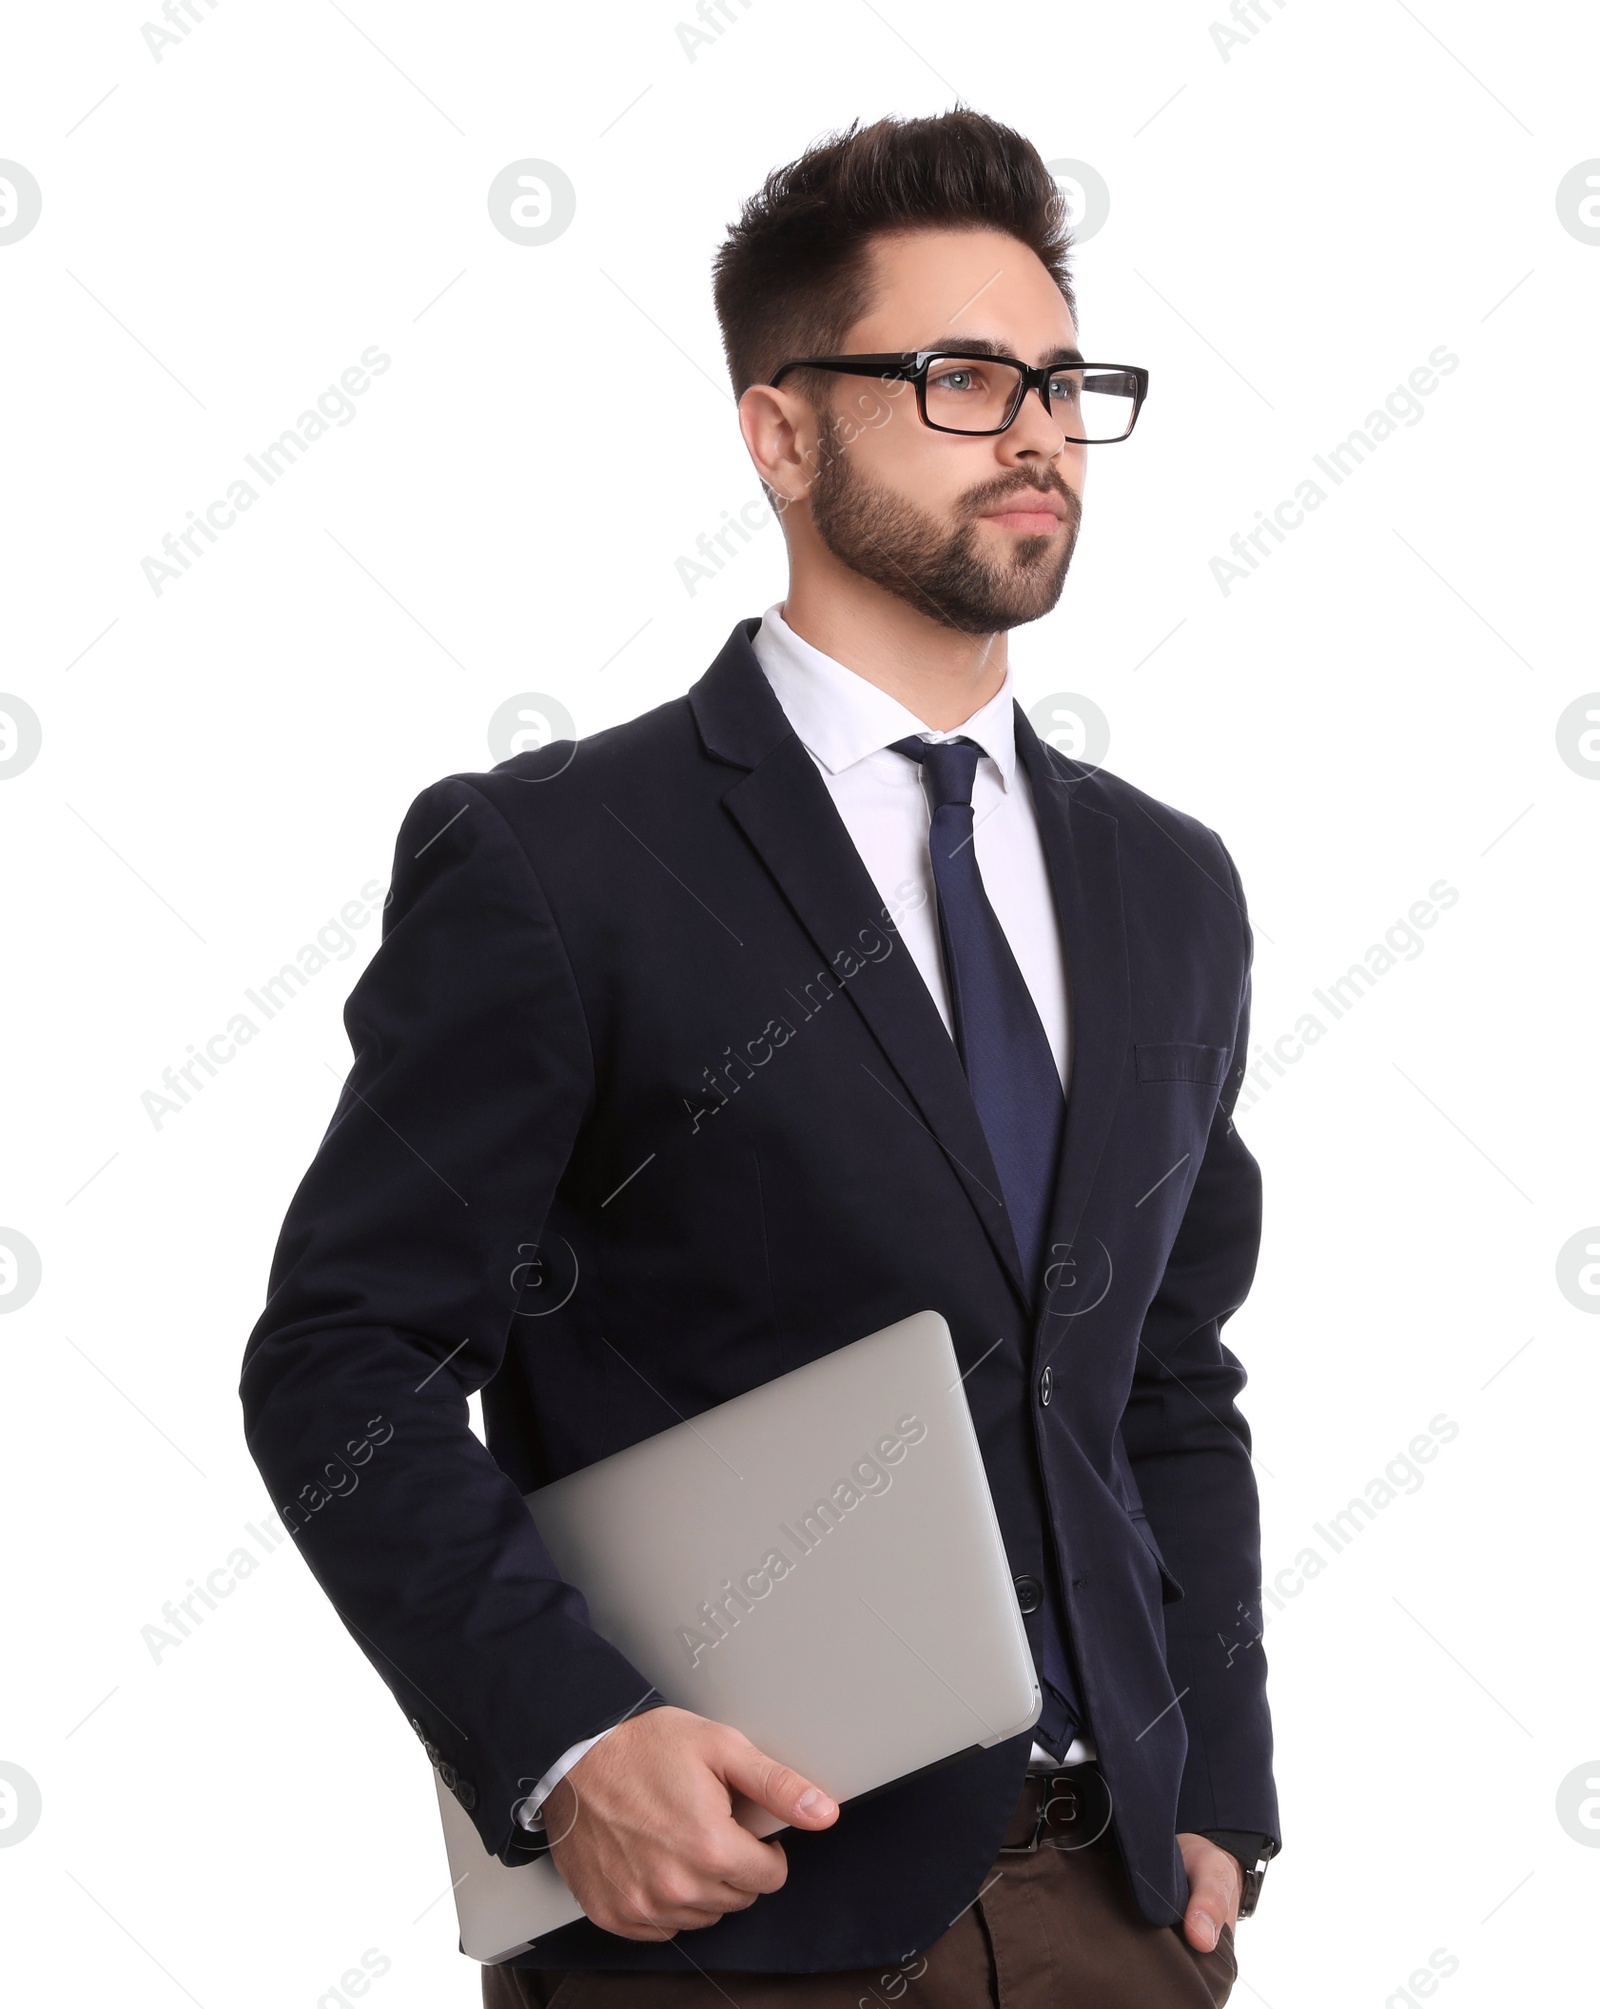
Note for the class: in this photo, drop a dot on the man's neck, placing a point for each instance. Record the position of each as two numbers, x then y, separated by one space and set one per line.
940 675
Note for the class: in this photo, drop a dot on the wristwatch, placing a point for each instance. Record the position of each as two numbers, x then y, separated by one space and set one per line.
1252 1852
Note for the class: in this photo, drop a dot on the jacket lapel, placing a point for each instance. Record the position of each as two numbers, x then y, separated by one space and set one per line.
785 811
1080 845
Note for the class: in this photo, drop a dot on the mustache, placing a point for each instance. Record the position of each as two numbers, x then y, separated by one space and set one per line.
985 499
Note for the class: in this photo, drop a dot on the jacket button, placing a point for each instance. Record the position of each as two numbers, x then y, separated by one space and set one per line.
1030 1593
467 1794
1044 1388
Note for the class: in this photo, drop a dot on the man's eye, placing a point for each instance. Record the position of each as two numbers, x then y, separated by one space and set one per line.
946 380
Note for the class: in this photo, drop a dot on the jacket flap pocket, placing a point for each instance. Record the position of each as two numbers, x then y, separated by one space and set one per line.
1171 1589
1181 1060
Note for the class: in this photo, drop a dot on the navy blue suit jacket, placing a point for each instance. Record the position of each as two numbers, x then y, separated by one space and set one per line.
650 1104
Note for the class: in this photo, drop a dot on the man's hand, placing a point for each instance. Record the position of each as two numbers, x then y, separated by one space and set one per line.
643 1830
1215 1888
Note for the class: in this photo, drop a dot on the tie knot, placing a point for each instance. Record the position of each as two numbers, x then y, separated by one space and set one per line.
948 768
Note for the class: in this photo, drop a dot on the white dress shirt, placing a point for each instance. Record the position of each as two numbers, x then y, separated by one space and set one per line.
847 725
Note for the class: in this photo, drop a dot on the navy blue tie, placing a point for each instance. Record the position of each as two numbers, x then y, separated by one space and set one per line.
999 1035
1015 1083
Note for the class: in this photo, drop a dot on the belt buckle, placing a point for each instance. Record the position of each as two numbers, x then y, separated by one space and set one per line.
1031 1845
1072 1801
1047 1784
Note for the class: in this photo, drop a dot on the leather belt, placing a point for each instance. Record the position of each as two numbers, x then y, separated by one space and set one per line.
1064 1807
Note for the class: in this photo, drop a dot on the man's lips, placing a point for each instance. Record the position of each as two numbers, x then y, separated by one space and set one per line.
1030 510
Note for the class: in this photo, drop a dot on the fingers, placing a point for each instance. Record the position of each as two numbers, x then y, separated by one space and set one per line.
633 1916
644 1833
779 1788
679 1898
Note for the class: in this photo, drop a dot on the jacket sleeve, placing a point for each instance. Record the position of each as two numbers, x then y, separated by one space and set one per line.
1189 1448
390 1300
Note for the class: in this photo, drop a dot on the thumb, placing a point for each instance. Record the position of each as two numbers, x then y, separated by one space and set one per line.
779 1788
1203 1922
1210 1902
1214 1891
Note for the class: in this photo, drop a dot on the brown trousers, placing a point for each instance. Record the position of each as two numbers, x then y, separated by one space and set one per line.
1057 1929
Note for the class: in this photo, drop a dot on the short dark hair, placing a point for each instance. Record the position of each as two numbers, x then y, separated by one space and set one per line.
793 274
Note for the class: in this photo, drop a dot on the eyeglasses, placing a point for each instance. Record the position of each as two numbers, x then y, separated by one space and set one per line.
972 391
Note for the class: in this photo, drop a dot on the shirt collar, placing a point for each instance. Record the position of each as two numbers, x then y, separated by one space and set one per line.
841 718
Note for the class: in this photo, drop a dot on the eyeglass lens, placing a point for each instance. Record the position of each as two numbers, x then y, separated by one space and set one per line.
975 394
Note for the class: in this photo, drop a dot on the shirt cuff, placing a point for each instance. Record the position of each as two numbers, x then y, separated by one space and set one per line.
528 1814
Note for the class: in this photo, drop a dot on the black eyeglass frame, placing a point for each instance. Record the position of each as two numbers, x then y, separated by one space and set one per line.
912 366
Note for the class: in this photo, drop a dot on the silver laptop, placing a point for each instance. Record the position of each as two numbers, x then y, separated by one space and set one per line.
816 1562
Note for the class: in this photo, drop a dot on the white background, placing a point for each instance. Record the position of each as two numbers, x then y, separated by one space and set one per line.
1293 229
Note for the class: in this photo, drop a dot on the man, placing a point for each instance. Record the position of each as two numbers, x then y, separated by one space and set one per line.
713 1042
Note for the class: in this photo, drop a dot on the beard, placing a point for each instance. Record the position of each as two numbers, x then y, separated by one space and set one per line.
936 569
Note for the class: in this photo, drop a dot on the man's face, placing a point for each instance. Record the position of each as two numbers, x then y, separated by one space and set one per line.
957 526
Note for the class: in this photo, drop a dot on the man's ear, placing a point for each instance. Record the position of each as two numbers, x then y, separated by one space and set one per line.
780 431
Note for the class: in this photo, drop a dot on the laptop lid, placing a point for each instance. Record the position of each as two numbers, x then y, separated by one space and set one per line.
817 1562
